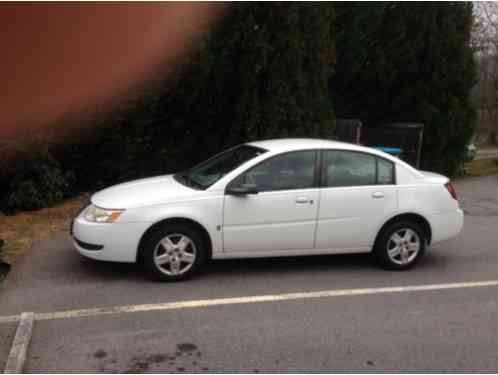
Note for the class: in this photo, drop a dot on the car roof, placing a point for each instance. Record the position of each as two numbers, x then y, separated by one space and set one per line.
293 144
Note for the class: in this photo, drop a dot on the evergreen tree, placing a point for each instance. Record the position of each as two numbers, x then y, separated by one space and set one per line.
263 72
401 62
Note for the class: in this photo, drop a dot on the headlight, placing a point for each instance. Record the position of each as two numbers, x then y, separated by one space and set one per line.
101 215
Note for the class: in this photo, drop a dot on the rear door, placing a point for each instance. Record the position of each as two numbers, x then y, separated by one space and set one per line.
358 192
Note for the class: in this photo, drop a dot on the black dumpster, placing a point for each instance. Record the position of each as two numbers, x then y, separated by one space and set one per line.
403 135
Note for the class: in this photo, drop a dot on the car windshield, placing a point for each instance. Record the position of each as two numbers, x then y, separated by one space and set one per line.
208 172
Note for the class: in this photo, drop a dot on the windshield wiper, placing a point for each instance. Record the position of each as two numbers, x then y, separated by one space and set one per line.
185 178
194 183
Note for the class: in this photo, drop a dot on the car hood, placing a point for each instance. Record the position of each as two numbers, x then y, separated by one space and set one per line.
143 192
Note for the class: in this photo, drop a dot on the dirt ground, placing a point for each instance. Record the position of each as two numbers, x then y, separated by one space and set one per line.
21 230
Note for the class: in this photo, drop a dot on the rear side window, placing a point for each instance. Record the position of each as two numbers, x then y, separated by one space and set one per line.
385 172
350 168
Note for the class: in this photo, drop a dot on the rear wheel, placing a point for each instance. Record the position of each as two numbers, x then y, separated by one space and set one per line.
174 252
400 246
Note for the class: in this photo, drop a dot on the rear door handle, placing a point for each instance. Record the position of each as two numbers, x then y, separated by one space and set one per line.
378 194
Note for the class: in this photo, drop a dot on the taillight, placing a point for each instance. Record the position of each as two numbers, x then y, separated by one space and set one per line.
451 189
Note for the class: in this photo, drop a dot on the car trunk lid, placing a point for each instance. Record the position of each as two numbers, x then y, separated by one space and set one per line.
435 177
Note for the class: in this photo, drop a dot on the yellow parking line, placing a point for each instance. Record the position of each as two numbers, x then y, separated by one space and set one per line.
249 299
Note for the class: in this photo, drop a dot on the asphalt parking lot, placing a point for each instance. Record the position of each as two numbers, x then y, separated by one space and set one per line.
427 330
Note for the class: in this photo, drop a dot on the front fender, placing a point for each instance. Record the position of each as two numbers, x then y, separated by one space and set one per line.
207 212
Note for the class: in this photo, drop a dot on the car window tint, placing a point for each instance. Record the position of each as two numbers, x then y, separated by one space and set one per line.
347 168
294 170
385 172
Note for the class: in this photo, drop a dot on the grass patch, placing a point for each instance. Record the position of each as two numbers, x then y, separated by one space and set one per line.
21 230
482 167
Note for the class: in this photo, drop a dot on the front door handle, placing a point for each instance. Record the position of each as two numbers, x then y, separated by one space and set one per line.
302 200
378 194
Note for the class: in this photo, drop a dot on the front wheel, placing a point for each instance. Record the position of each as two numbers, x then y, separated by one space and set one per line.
174 252
400 246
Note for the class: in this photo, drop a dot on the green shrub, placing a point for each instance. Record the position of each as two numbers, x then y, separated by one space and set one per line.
38 182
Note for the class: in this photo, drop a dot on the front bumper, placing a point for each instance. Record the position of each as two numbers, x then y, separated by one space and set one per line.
114 242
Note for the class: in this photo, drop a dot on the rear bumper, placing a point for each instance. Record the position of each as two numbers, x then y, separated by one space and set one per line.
115 242
446 225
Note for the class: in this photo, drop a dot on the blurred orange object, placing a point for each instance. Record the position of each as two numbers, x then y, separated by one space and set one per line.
62 58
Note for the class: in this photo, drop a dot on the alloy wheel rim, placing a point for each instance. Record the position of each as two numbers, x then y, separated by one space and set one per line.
403 246
175 254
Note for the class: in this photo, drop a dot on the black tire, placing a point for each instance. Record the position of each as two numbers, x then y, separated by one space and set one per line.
380 251
151 241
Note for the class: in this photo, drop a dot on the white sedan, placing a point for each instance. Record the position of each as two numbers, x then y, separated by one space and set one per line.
282 197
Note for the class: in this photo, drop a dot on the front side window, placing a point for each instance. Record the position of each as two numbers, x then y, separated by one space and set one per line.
349 168
207 173
293 170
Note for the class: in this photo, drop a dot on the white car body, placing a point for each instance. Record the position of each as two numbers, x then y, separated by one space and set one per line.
318 220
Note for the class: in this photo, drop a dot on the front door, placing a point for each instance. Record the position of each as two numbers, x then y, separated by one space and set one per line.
282 215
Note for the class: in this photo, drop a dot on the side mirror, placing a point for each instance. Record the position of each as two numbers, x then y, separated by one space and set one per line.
243 189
